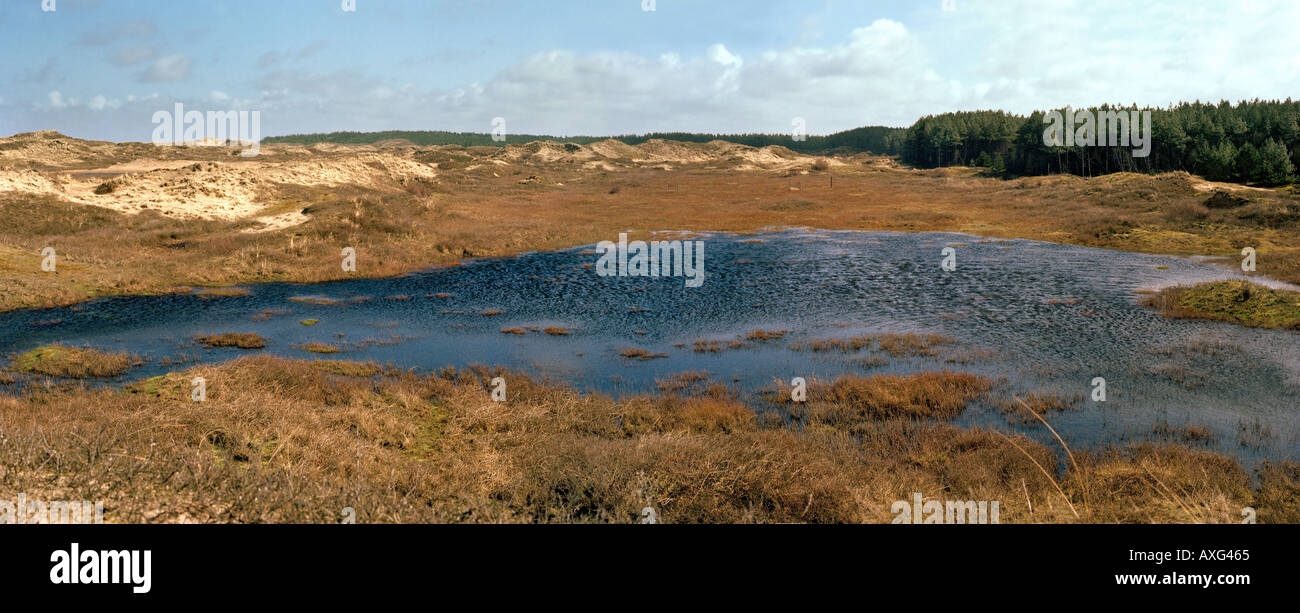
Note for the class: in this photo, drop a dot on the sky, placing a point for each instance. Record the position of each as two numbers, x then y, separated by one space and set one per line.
100 69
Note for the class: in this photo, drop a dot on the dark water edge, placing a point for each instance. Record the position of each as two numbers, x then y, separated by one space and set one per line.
1040 317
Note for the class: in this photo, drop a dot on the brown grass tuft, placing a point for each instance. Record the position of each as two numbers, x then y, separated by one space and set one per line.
241 340
74 362
319 347
638 353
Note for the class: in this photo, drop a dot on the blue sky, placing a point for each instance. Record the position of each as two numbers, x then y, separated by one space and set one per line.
101 68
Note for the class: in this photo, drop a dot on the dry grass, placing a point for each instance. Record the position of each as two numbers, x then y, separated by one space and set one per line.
241 340
73 362
1188 434
1278 494
297 442
852 399
896 345
845 345
717 346
348 369
319 347
268 314
556 330
910 344
691 380
1033 406
292 441
225 292
637 353
761 335
853 402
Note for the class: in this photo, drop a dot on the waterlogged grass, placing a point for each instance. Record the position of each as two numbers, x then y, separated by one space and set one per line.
1235 301
638 353
761 335
850 400
293 441
896 345
239 340
74 362
225 292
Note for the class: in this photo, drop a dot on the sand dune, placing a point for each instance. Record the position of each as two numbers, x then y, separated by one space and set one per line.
212 182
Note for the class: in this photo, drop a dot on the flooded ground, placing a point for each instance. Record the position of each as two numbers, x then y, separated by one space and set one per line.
1040 317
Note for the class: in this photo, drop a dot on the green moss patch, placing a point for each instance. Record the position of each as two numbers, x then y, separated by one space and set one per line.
1240 302
75 362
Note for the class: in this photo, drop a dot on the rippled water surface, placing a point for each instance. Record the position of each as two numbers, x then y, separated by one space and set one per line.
1041 317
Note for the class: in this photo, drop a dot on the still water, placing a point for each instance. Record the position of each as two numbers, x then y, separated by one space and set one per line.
1040 317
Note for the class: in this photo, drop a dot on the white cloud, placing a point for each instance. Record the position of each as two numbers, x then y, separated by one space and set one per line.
99 103
1017 55
175 67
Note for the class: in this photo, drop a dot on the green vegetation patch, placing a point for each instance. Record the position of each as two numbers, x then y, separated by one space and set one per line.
1240 302
241 340
61 361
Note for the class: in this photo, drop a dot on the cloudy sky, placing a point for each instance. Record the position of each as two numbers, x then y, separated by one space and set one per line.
101 68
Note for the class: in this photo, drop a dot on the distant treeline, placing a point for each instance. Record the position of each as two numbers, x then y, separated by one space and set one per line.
875 139
1250 142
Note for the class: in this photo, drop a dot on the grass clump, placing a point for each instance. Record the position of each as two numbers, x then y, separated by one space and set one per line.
347 369
637 353
762 335
683 381
319 348
1030 407
908 344
1189 434
309 322
717 346
73 362
1239 302
240 340
926 395
851 401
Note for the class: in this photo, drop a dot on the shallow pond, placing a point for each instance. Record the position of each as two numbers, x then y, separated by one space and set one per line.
1041 317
